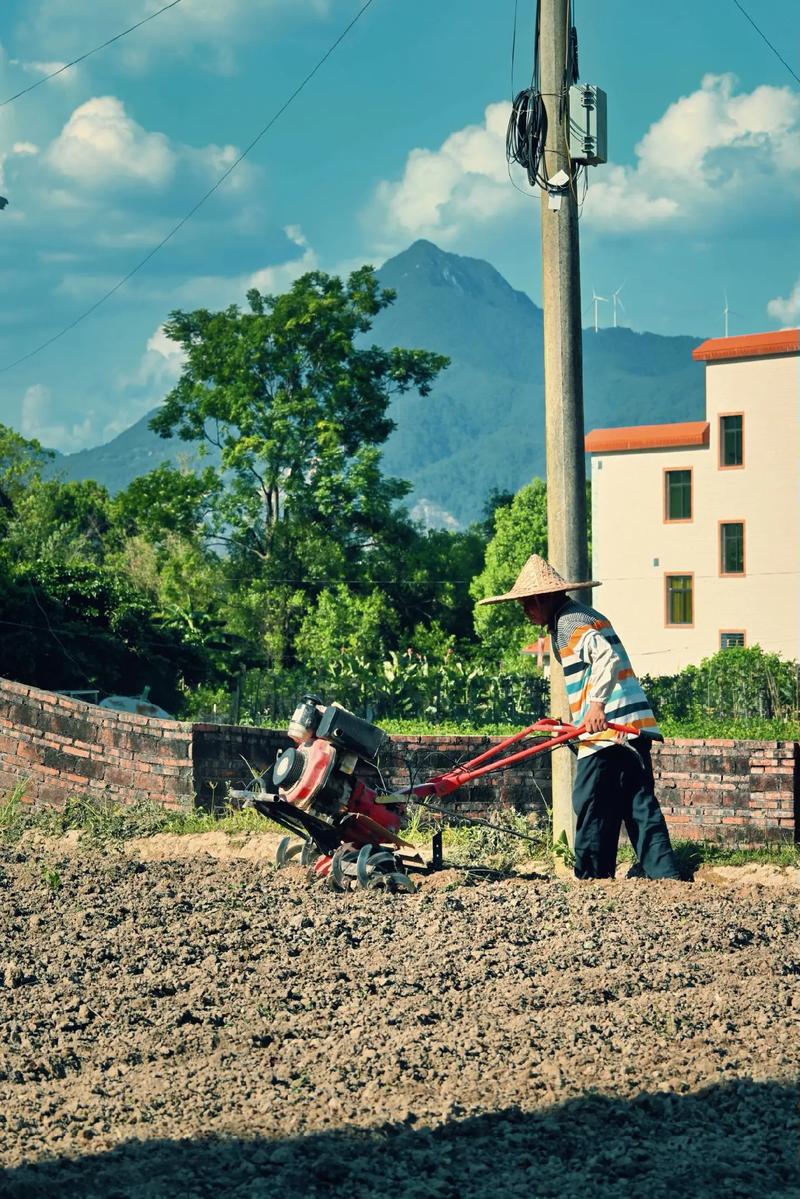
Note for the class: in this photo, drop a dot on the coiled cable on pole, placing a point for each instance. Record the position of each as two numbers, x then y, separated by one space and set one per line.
527 134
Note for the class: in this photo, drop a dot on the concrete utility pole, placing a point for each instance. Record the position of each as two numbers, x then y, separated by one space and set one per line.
563 374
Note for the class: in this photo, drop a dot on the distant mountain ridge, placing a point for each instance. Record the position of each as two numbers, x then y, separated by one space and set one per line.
482 426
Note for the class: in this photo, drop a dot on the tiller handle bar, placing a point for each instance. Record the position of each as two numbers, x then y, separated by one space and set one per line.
443 784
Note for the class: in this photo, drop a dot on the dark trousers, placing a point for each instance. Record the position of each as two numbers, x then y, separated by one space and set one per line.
615 786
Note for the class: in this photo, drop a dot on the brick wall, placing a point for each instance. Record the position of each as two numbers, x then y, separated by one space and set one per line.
57 747
735 792
225 754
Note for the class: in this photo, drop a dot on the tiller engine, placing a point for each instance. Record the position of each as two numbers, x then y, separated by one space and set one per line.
349 829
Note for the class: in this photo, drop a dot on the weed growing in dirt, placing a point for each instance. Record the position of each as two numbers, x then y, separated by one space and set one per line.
502 841
51 878
419 825
691 855
562 849
103 822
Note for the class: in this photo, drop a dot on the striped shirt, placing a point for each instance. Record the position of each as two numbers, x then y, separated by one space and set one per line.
597 669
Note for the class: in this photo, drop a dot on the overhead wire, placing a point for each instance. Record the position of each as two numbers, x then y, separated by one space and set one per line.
81 57
188 216
764 37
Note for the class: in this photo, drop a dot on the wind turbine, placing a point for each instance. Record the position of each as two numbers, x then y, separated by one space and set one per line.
616 300
725 312
597 300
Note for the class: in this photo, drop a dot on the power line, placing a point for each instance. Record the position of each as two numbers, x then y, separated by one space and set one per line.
185 219
766 39
88 54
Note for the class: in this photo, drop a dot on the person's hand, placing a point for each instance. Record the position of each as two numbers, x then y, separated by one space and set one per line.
595 718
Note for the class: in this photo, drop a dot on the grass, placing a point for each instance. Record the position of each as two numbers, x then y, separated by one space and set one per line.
737 730
505 839
691 855
471 844
107 822
465 844
701 727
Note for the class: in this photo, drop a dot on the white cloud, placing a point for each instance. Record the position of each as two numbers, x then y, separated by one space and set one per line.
217 291
160 366
704 160
700 164
786 309
278 278
101 148
38 68
38 419
101 144
18 150
464 181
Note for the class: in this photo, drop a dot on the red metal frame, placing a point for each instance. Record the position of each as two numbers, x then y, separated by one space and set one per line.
443 784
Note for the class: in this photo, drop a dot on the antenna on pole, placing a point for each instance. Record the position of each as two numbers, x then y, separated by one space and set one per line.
597 300
725 312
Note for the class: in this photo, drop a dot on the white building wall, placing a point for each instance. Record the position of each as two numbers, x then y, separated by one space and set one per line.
634 549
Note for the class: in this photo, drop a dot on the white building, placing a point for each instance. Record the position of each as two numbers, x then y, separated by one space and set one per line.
696 526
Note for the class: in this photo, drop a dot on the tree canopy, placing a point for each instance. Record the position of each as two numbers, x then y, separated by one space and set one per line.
287 548
520 529
296 407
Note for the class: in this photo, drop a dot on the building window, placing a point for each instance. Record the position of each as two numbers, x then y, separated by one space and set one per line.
677 495
679 599
731 440
731 548
732 640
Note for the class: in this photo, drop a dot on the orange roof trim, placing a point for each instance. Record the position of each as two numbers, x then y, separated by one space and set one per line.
647 437
752 345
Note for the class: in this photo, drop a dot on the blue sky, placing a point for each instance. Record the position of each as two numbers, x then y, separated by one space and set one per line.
399 136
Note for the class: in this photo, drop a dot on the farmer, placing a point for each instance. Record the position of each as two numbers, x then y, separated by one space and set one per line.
614 777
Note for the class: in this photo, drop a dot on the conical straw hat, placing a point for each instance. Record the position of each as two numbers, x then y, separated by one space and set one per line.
537 577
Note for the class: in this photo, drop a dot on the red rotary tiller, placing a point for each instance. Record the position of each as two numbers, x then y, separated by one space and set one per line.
349 830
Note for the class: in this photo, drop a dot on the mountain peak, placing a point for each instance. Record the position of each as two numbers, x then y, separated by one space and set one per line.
429 264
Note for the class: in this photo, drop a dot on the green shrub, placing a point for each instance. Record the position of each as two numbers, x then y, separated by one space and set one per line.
734 685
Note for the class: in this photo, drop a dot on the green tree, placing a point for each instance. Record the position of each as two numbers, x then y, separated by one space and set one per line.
84 598
296 407
295 404
520 530
21 463
167 501
343 624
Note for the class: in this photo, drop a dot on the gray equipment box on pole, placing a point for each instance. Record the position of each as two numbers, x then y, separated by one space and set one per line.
588 142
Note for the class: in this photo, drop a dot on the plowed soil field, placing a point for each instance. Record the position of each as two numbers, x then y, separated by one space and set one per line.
190 1026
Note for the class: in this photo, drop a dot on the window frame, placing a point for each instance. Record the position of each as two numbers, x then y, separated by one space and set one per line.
732 465
726 633
678 520
731 574
678 574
